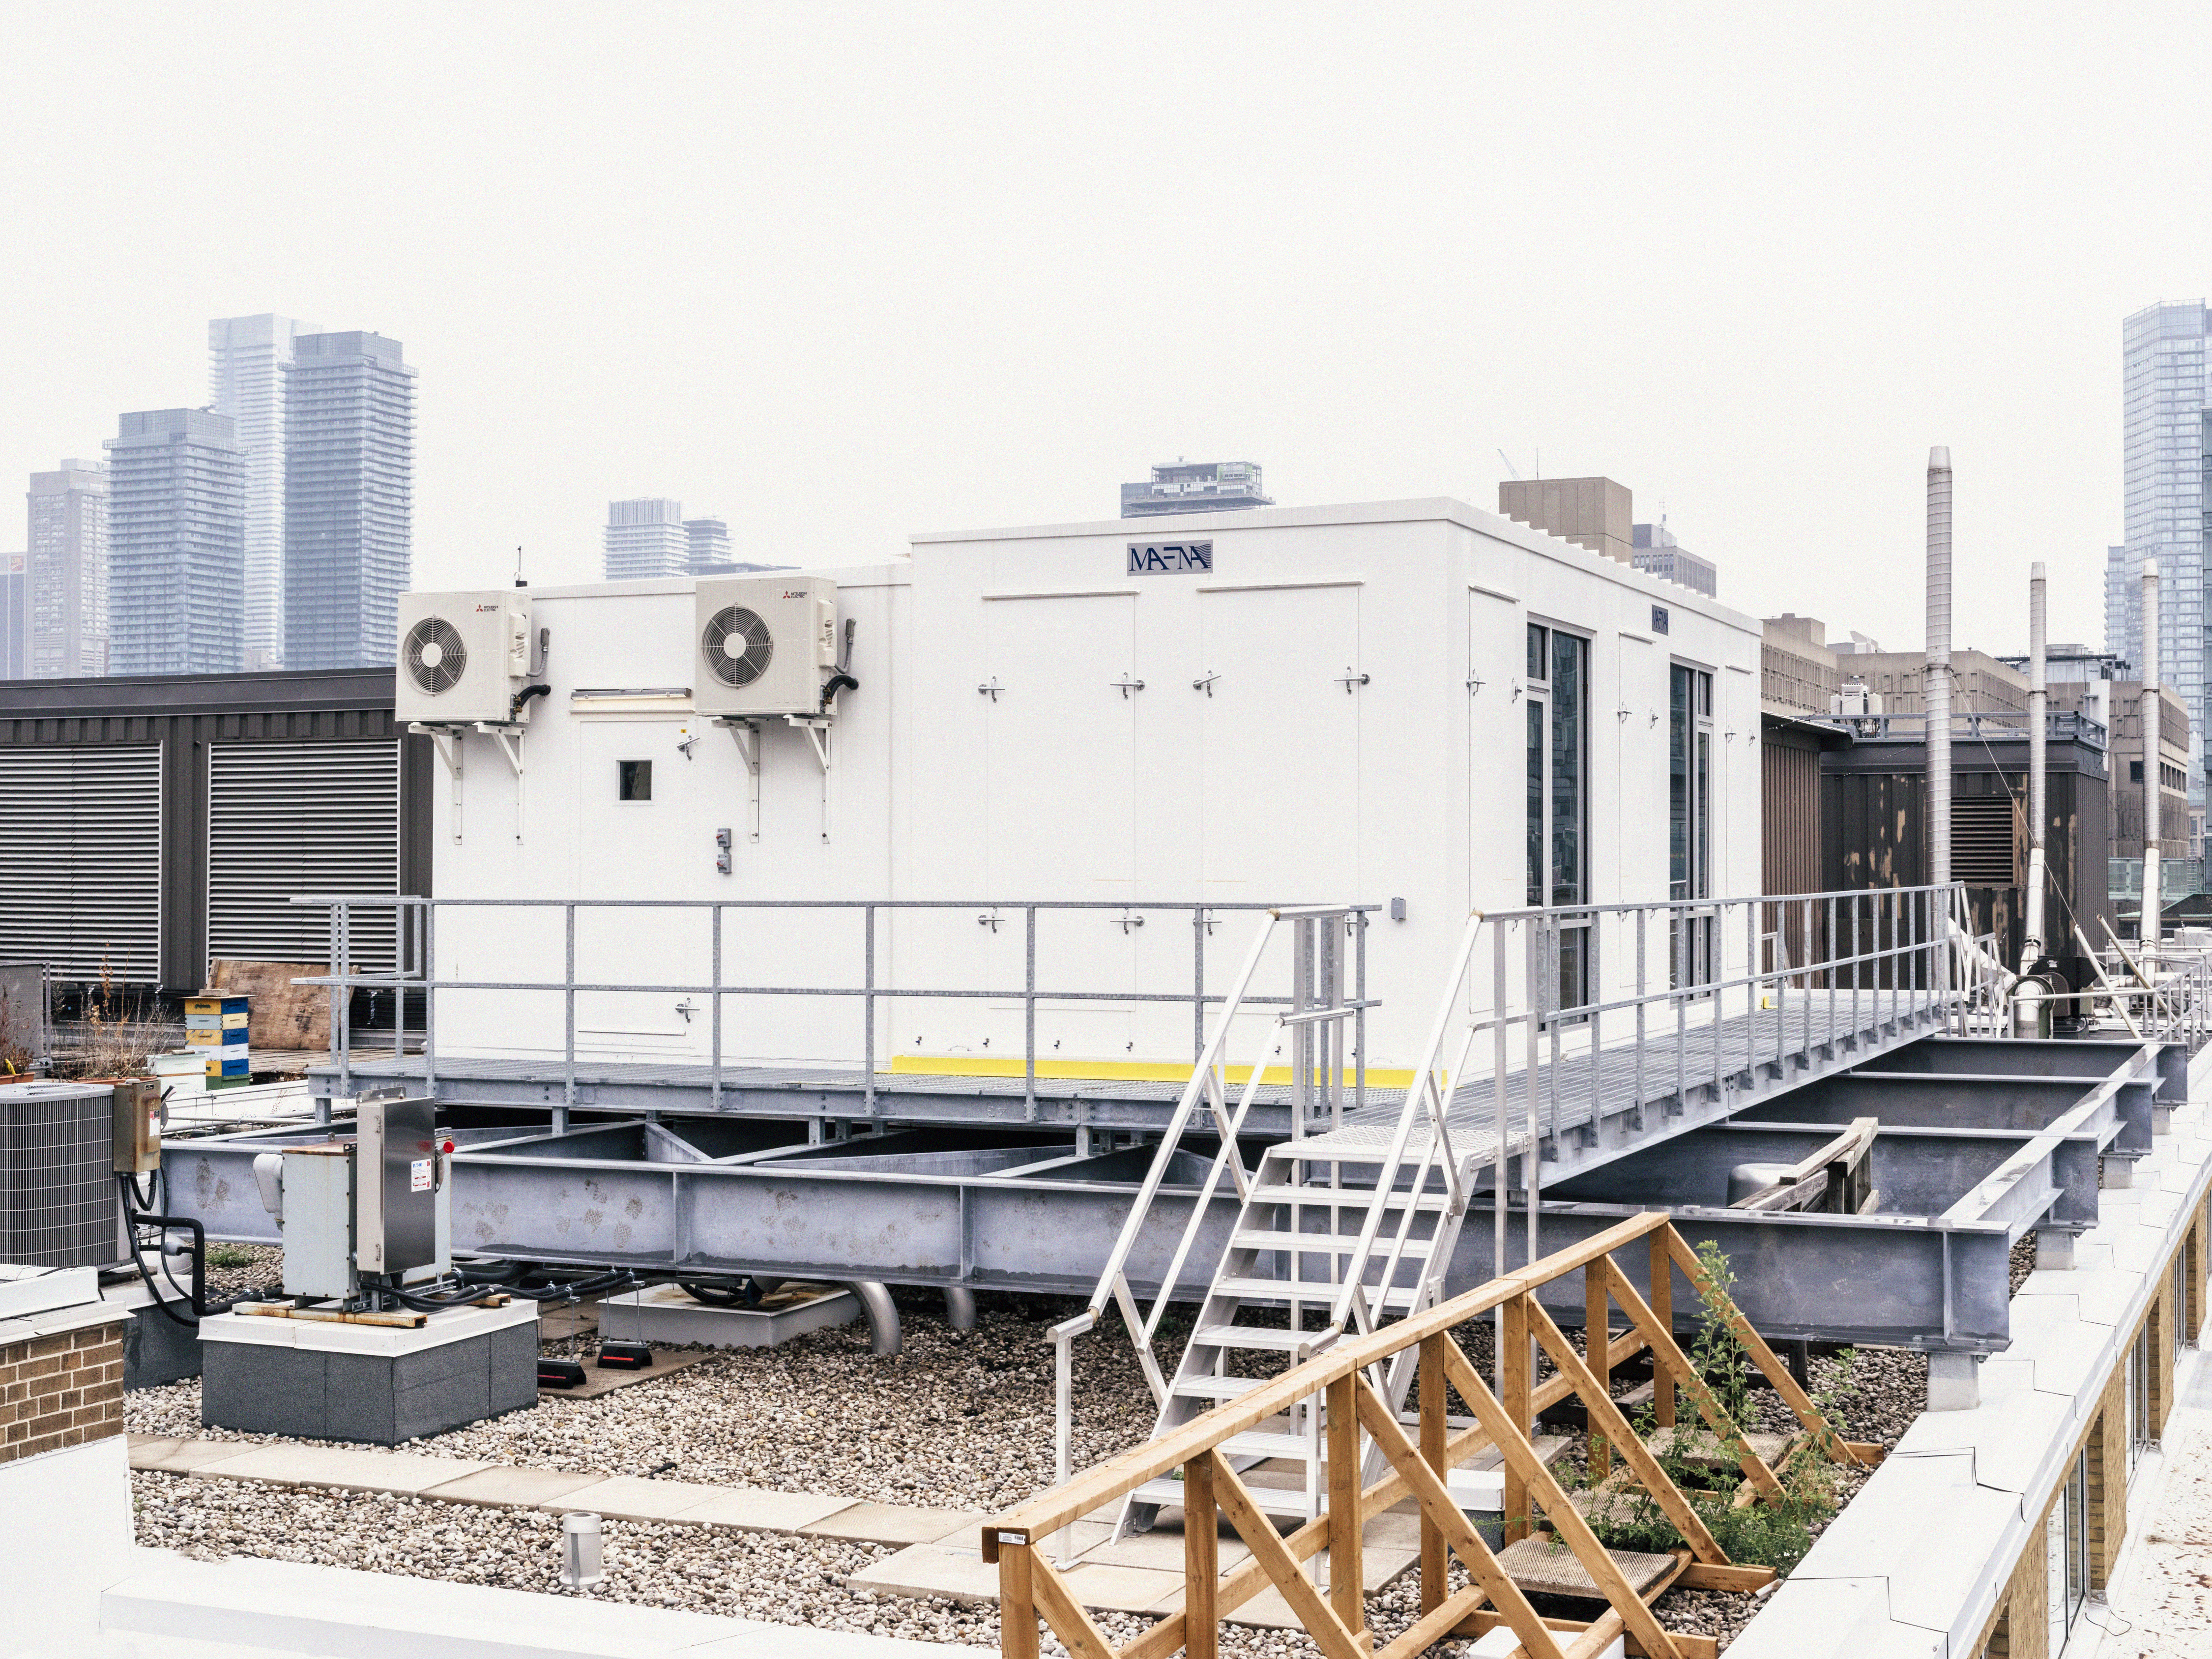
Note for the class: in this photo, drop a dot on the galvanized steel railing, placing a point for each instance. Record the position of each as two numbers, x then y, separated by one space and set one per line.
415 956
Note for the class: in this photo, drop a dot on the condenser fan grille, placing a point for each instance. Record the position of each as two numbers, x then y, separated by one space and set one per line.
738 646
435 656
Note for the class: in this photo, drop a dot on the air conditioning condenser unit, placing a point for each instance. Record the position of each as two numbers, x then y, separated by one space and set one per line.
463 656
763 644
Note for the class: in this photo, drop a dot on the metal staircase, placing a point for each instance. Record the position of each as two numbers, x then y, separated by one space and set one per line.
1345 1227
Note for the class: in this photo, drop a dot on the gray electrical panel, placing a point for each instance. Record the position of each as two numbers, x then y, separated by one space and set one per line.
398 1179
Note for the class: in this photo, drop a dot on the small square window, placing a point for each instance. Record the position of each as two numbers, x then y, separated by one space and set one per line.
636 781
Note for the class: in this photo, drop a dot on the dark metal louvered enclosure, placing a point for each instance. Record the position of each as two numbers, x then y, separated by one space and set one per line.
153 823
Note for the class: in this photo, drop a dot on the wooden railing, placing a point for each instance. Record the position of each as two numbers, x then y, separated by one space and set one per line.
1356 1413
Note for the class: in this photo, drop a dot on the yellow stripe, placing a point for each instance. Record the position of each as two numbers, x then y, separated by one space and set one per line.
1111 1071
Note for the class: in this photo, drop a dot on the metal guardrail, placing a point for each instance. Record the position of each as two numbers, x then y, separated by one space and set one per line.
1990 725
416 955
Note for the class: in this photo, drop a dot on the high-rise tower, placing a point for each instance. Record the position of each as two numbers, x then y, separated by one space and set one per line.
66 572
176 544
2163 385
349 498
646 537
249 362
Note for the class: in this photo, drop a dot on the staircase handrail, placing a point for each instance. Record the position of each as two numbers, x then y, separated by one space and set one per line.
1351 1304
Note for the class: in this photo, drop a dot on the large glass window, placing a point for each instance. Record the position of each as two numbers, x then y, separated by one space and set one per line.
1558 803
2140 1433
1689 818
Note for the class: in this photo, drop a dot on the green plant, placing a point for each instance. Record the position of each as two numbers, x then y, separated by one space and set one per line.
229 1255
1774 1532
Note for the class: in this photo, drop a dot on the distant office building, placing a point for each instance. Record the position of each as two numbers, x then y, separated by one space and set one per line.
14 617
709 540
1592 513
1660 554
1195 487
349 499
646 537
2163 389
176 544
249 367
68 571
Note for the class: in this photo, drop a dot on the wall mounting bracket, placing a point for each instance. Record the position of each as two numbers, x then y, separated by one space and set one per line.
747 736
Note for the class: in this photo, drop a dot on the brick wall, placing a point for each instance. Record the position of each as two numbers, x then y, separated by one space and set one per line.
2021 1627
2108 1475
61 1389
2161 1352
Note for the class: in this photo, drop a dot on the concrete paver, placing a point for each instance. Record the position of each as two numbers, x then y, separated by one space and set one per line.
346 1467
184 1457
932 1570
755 1510
503 1486
632 1498
895 1523
1124 1590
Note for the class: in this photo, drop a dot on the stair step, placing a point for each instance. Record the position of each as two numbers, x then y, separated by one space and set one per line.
1202 1387
1262 1443
1324 1244
1349 1198
1269 1500
1251 1336
1282 1290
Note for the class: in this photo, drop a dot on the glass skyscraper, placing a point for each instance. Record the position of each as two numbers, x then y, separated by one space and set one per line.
2163 399
176 544
349 499
249 364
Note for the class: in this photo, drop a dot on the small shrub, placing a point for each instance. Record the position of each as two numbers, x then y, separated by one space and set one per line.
1773 1533
229 1255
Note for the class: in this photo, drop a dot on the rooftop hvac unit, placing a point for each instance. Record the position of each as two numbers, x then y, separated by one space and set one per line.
765 644
58 1176
463 656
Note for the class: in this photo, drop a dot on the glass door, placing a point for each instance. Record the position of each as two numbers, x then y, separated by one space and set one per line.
1689 822
1559 807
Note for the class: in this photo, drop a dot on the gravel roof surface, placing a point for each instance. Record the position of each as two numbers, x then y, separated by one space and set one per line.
957 1420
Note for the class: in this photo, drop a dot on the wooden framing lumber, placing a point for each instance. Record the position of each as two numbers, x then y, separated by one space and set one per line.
1260 1536
1202 1559
1572 1528
1633 1452
1435 1500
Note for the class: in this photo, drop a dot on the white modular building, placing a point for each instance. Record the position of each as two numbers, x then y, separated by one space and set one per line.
1414 705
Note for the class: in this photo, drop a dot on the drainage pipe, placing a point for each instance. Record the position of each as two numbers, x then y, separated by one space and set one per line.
960 1307
2152 929
2031 935
883 1316
1937 689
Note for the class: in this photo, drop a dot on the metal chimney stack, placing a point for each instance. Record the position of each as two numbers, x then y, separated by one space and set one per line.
2152 928
1938 682
2038 814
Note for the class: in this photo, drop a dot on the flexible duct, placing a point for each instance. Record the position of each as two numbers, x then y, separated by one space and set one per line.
2153 929
2031 934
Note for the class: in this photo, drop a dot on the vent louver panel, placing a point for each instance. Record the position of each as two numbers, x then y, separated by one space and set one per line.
81 859
299 817
1982 842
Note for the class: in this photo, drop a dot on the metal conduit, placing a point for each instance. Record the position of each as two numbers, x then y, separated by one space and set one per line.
2038 810
2152 929
1938 687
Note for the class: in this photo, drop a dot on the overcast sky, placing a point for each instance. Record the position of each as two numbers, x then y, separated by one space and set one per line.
840 273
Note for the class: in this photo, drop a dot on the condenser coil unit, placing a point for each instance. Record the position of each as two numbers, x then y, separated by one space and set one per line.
57 1192
463 656
765 644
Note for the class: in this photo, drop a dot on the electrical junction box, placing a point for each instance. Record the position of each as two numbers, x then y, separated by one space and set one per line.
137 1118
463 656
402 1206
763 645
316 1218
